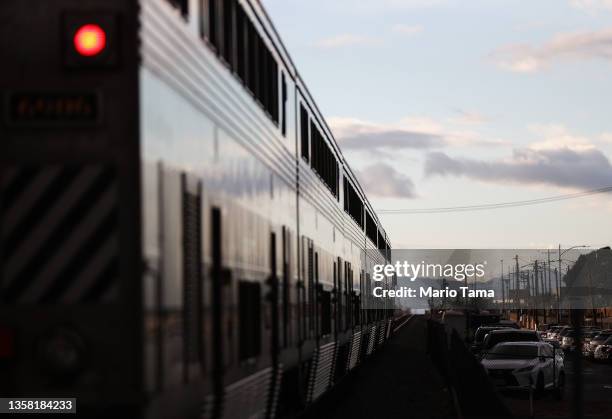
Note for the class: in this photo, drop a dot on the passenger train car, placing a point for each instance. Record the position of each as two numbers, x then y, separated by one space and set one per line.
180 234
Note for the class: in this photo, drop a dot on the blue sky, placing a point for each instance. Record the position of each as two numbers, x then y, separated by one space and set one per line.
443 103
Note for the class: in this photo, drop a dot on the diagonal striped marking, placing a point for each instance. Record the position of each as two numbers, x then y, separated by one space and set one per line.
105 287
15 180
23 278
22 194
40 234
83 239
8 175
72 268
104 256
23 216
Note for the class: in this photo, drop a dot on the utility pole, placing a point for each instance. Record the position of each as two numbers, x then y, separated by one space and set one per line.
518 288
502 286
549 282
536 279
558 279
557 296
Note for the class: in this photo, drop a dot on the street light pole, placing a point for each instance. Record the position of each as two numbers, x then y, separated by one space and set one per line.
503 291
558 279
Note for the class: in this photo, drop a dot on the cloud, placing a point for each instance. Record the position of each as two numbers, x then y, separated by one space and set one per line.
383 180
346 40
564 167
556 136
592 5
408 30
360 135
523 58
408 133
469 118
606 137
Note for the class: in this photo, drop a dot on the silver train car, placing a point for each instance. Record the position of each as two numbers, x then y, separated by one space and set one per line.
180 235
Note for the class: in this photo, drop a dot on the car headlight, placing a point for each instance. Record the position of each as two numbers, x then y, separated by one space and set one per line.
525 369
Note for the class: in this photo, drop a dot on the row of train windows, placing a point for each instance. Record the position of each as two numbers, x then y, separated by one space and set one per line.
234 37
315 150
352 203
227 27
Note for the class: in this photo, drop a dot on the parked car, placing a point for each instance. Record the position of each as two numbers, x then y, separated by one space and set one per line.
604 351
480 335
568 339
563 333
553 332
507 323
543 329
589 350
526 365
587 335
509 335
556 346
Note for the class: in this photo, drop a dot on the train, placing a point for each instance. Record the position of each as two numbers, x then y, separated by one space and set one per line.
180 233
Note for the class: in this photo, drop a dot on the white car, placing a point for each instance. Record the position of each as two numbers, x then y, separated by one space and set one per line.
526 365
604 351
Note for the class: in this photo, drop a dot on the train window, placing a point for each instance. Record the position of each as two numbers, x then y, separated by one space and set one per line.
381 242
316 316
192 275
274 98
311 290
340 294
371 229
241 43
323 159
253 46
262 71
356 309
182 6
352 203
228 31
249 322
304 133
283 105
208 21
348 286
325 307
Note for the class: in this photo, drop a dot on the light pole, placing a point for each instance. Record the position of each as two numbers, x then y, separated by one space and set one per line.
502 285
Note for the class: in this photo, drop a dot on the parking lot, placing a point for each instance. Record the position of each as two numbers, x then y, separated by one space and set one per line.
597 379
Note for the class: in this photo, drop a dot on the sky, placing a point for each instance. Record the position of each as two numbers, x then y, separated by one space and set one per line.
439 103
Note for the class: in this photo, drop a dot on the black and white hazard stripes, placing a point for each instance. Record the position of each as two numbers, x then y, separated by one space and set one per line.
59 239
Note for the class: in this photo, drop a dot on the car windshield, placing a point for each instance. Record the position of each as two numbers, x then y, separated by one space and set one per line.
602 336
481 333
495 338
513 352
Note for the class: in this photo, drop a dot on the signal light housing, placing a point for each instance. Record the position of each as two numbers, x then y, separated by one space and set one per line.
90 40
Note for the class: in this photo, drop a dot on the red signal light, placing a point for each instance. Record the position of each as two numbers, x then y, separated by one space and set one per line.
89 40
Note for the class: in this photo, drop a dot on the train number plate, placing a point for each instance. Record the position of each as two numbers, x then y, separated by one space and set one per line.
53 108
